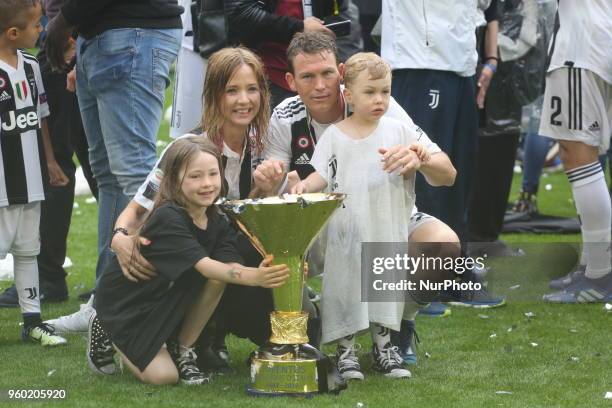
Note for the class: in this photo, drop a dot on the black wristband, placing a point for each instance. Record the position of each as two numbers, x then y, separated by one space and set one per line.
122 230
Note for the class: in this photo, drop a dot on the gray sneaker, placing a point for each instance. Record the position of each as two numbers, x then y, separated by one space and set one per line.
563 282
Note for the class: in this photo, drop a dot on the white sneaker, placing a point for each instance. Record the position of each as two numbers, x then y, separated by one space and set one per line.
76 322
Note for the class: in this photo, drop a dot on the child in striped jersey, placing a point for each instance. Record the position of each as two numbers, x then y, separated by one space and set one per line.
23 168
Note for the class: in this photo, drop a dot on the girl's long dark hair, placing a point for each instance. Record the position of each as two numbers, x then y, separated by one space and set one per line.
177 159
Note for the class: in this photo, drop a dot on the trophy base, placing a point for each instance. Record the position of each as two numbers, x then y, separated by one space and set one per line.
292 370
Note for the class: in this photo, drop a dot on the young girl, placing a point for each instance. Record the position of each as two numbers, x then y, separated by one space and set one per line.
193 251
349 158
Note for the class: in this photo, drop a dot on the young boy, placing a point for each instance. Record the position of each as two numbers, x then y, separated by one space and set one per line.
350 157
23 167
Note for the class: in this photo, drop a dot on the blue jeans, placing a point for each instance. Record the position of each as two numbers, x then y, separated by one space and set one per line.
536 147
122 75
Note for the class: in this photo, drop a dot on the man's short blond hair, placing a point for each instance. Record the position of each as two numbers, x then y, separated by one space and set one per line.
377 68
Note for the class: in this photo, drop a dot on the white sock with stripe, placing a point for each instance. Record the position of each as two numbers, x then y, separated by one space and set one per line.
593 205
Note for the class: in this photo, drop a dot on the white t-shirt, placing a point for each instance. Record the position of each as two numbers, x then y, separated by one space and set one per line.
377 209
584 38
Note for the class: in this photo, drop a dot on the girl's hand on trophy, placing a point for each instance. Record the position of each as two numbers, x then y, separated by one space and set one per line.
271 276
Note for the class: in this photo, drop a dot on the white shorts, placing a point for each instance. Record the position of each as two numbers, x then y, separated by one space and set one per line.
19 230
578 107
188 88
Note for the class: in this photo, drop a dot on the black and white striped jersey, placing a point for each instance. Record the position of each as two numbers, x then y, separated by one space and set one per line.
23 104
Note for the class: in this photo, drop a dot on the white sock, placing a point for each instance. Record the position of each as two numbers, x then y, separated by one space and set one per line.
26 283
347 342
380 335
593 205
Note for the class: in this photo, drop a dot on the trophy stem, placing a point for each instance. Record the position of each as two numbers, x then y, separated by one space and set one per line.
288 298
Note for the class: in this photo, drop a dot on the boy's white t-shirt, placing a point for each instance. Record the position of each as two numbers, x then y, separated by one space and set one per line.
377 208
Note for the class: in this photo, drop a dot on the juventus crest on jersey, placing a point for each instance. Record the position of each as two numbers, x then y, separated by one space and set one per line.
22 106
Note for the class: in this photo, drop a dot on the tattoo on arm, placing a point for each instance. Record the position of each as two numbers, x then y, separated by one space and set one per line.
234 274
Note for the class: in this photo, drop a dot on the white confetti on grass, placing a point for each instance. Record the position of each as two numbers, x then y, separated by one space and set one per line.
534 344
90 200
75 205
548 187
529 315
492 336
483 316
50 373
514 287
608 307
608 395
503 392
359 405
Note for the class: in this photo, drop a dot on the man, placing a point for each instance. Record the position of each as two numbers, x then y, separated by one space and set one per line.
577 111
298 122
124 53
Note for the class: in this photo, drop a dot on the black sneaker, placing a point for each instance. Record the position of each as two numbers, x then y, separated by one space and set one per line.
9 297
100 351
348 363
185 360
388 361
526 203
215 361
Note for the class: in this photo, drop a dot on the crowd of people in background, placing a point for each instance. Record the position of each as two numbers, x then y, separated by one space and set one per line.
284 98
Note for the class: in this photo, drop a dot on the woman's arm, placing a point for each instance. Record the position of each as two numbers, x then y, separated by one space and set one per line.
133 265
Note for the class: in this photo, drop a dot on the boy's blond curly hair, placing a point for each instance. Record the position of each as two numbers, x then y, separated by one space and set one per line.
376 66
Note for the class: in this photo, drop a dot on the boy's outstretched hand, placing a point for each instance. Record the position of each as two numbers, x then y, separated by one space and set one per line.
271 276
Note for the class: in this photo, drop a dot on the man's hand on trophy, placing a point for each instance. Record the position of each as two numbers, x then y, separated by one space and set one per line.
269 175
133 265
271 276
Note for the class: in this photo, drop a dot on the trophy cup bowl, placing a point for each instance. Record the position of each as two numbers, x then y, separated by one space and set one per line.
286 227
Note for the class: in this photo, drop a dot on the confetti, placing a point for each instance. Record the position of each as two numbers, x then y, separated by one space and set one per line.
573 331
608 395
161 143
608 307
75 205
427 355
50 373
572 358
509 329
517 169
90 200
529 314
514 287
359 405
548 187
534 344
503 392
493 336
483 316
